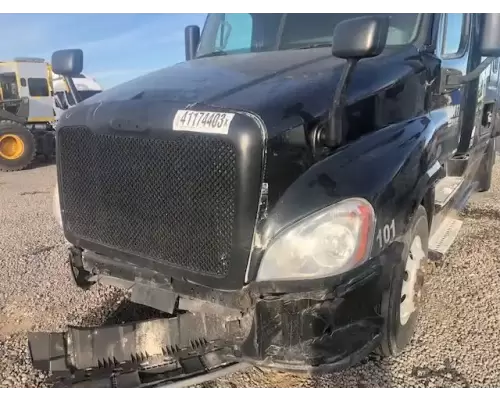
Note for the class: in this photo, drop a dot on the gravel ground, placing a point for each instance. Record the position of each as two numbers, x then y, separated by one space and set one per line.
457 343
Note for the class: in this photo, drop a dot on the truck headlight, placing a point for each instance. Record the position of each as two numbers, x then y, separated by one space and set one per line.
328 242
56 207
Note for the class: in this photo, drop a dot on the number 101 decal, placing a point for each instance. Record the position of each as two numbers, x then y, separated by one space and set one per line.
386 234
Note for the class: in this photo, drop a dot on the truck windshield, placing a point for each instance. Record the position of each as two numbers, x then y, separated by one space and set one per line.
245 33
85 94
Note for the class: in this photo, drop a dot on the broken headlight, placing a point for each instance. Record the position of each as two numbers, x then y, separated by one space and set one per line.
328 242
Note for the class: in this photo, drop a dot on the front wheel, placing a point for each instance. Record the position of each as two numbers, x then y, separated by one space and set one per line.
401 304
17 146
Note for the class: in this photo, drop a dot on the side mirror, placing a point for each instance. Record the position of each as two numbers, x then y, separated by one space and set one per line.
360 37
192 39
353 39
67 62
490 36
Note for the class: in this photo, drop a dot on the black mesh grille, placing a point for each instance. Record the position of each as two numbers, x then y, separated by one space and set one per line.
171 200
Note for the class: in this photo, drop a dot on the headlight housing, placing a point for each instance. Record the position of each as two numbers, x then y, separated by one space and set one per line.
326 243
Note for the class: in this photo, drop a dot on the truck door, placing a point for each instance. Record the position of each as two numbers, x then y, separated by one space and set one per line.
35 85
457 48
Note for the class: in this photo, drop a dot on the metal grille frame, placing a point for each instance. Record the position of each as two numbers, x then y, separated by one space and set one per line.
205 243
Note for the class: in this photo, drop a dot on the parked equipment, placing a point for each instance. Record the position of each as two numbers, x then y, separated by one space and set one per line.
278 195
26 113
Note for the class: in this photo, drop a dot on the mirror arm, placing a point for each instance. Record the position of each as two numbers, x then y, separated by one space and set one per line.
73 90
476 72
335 135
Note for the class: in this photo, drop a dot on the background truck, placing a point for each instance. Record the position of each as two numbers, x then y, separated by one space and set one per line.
32 99
277 196
26 112
63 99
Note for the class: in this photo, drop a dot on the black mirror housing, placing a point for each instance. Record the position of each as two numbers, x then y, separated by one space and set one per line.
192 39
68 62
361 37
490 35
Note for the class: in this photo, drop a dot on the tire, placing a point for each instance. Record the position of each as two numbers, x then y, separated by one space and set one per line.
485 171
17 146
400 319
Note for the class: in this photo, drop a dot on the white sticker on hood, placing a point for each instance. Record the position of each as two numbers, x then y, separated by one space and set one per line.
202 121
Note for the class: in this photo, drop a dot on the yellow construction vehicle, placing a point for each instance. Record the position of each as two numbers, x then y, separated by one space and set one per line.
26 112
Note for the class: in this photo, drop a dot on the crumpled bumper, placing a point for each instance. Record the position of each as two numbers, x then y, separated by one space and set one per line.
326 329
310 335
159 352
303 332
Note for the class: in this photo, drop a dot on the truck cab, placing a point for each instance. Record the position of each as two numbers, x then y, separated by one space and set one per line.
63 98
28 78
277 195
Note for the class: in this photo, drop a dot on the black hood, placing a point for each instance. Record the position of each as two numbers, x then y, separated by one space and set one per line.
274 85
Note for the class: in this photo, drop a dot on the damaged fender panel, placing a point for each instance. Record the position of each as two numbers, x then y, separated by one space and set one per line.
304 334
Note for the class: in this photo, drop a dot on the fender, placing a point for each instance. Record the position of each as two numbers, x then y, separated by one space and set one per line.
392 168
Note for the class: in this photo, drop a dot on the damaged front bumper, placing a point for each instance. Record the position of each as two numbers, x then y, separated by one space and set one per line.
326 330
160 352
170 351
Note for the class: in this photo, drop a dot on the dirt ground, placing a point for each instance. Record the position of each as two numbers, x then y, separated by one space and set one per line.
457 343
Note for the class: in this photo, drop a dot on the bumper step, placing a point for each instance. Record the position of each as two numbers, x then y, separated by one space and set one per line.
441 241
160 352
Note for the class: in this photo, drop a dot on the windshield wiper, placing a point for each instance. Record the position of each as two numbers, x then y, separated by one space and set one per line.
315 45
213 54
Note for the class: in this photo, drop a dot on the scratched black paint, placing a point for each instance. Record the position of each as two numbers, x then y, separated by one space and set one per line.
400 124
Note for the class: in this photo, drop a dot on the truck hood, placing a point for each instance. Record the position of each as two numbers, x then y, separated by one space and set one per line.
276 85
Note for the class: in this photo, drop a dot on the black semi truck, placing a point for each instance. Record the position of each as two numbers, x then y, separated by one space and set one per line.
276 196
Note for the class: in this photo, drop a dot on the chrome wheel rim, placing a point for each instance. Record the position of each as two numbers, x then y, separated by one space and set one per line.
411 290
